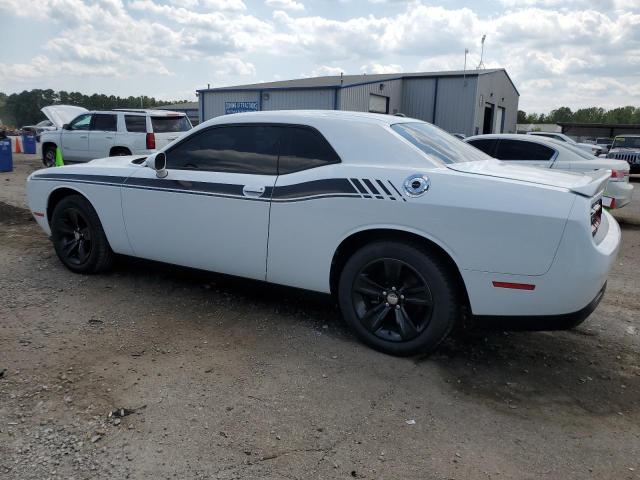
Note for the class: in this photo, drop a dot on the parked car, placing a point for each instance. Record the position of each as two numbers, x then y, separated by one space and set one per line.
627 148
38 128
82 135
561 137
604 143
405 224
549 153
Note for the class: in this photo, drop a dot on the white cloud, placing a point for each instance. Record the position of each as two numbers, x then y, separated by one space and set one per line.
285 4
379 68
325 70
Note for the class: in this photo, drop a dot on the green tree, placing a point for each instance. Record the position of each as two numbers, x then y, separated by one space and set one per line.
562 114
522 116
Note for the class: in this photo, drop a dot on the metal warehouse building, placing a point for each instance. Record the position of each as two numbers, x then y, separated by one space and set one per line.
467 102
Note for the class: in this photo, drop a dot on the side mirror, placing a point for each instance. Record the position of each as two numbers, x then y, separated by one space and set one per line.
158 161
66 127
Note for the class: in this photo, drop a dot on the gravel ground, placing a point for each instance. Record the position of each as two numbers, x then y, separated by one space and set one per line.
224 378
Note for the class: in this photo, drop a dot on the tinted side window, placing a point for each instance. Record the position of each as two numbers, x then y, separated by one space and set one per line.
83 122
136 123
241 149
303 148
523 150
105 122
487 145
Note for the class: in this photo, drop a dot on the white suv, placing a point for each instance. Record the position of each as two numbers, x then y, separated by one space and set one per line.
82 135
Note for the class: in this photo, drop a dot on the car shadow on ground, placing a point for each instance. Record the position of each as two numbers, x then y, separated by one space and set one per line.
581 368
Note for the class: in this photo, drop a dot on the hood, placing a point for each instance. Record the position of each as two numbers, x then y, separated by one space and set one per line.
61 114
118 161
587 184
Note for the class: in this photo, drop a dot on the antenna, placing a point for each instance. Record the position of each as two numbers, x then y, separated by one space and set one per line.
481 64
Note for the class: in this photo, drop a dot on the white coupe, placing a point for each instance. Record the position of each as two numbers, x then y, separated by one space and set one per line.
406 225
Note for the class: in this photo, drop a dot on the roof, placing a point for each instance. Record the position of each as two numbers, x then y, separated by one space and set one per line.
343 81
149 111
305 115
181 106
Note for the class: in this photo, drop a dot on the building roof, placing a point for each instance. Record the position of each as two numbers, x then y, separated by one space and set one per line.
342 81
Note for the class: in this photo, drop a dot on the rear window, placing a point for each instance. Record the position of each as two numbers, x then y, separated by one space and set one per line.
487 145
302 148
136 123
170 124
437 143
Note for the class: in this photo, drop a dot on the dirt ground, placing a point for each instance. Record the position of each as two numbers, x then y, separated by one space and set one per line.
225 378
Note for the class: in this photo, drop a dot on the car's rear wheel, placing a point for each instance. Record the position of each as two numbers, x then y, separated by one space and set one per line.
49 157
78 237
398 298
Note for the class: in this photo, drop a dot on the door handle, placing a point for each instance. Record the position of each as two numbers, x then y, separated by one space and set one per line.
83 136
252 191
110 138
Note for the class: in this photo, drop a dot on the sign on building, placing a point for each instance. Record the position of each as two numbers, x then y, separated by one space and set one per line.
238 107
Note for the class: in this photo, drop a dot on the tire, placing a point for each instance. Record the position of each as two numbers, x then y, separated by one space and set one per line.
371 294
49 157
78 237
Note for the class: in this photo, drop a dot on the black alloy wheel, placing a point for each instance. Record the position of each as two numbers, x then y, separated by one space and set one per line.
74 236
78 237
392 300
399 298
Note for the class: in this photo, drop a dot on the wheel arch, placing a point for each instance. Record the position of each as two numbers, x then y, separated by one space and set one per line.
56 195
119 148
355 240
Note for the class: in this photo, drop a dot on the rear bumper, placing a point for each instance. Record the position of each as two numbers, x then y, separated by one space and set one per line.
543 322
576 277
617 195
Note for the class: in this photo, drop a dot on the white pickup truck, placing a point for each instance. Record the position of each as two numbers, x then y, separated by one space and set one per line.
82 135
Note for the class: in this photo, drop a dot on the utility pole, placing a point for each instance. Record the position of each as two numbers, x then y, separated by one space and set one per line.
464 75
481 64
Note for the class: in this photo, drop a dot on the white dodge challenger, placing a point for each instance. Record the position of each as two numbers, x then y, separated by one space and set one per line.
406 225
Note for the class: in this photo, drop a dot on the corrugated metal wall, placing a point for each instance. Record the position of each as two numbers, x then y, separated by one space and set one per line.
495 88
213 102
455 105
320 99
356 99
418 96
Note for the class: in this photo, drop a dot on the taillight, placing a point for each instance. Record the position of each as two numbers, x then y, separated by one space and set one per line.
151 141
620 175
596 216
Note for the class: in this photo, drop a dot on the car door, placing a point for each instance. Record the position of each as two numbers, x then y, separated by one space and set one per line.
75 139
525 152
212 210
102 134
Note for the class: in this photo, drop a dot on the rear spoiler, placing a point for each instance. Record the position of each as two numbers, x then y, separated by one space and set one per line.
598 183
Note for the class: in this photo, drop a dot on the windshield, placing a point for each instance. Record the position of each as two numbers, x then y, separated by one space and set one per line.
626 142
170 124
437 143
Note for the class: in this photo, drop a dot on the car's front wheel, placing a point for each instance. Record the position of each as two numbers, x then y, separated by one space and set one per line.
398 298
49 157
78 237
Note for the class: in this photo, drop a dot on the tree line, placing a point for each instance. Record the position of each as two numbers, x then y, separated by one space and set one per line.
23 108
627 114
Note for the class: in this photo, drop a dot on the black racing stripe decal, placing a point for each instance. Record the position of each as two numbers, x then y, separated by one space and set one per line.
359 186
81 178
385 189
186 186
373 189
314 187
399 194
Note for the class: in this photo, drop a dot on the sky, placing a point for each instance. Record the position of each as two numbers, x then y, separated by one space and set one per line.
575 53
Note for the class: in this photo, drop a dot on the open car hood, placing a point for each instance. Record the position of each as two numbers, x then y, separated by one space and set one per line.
61 114
587 184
